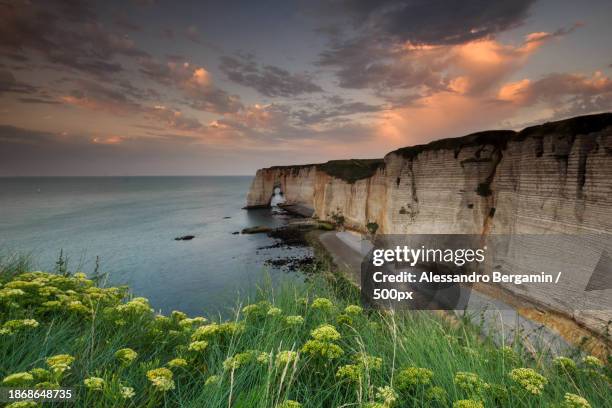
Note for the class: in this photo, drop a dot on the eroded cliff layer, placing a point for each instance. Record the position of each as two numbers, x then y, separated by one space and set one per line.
551 178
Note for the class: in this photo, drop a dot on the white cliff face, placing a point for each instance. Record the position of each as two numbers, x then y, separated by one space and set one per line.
554 178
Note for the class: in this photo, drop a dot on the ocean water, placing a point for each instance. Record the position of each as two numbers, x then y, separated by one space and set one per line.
131 223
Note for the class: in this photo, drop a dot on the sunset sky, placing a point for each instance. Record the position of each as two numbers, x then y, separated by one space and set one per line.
225 87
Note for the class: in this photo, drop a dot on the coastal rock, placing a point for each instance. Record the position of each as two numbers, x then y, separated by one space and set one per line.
554 178
185 238
259 229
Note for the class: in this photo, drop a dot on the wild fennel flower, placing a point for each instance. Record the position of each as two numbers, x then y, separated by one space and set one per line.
574 401
322 304
94 383
216 330
325 332
349 372
353 310
178 315
177 362
322 349
289 404
77 306
213 380
127 392
509 354
412 377
592 362
161 378
241 359
136 306
529 380
204 332
565 365
126 356
368 362
285 357
189 323
12 326
60 363
469 383
468 403
198 346
274 311
251 310
295 320
23 404
40 374
344 319
18 379
387 395
8 293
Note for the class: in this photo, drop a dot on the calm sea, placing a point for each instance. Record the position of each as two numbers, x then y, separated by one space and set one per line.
131 223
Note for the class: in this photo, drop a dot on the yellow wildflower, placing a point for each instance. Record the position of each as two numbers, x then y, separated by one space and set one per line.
127 392
161 378
177 362
295 320
126 356
325 332
322 304
529 379
574 401
60 363
198 345
18 379
94 383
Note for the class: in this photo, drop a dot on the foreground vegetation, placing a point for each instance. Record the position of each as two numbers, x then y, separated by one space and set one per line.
292 347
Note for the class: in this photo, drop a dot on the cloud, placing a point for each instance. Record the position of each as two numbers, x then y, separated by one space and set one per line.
174 119
8 83
95 96
122 101
13 134
63 33
108 140
567 94
339 108
368 63
40 101
431 22
268 80
401 72
194 82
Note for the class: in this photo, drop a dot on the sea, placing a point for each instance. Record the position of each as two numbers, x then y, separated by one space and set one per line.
130 224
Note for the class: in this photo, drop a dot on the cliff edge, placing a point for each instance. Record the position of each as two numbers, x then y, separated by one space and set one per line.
554 178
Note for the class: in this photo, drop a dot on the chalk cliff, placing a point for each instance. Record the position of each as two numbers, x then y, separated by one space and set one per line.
546 179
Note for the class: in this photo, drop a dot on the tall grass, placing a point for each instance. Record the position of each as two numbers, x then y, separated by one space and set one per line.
263 357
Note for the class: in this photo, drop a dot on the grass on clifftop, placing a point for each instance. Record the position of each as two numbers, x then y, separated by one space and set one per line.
291 347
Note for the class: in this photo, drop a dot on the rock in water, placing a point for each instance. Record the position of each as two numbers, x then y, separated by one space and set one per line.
185 238
256 230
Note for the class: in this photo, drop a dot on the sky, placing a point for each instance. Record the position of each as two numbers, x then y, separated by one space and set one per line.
155 87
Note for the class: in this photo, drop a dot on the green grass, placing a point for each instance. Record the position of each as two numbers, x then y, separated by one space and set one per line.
417 354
